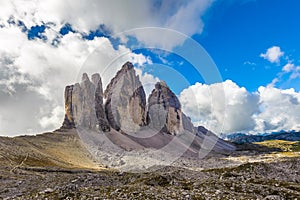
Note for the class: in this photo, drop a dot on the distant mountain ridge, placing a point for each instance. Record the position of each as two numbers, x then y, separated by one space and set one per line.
242 138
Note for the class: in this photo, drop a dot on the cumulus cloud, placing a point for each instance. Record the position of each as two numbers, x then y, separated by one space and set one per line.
269 109
273 54
234 109
279 110
118 16
148 81
34 73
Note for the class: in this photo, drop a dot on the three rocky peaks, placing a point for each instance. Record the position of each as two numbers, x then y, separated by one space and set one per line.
125 107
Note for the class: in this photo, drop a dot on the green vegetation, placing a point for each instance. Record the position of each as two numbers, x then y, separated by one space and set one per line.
285 146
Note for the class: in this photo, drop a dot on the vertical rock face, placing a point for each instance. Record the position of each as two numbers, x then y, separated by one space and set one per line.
87 116
187 123
76 103
69 119
164 110
99 107
125 105
125 110
84 104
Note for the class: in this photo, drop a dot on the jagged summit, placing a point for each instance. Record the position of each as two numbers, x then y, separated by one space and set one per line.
85 77
161 84
164 109
125 111
125 105
127 66
84 104
165 95
96 78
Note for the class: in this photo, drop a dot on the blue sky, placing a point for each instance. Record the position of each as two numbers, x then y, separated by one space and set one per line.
47 44
235 35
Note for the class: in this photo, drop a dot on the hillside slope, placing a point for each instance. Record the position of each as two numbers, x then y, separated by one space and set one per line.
55 149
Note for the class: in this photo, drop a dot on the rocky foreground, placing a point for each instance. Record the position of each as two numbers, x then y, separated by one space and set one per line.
57 166
278 180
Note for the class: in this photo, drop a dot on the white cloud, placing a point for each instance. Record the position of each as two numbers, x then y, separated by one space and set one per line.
148 81
288 67
250 63
273 83
34 74
50 121
118 16
273 54
295 73
279 110
292 69
234 109
269 109
182 16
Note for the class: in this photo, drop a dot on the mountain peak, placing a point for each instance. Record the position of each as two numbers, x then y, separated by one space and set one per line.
96 78
85 77
161 84
127 66
125 100
125 111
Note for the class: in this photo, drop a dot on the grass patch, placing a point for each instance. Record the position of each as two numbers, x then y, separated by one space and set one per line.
286 146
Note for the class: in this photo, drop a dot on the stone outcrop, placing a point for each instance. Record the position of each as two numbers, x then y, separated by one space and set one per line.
84 104
99 106
87 116
187 123
124 109
125 105
164 110
69 119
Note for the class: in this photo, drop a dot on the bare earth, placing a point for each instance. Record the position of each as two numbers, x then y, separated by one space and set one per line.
58 166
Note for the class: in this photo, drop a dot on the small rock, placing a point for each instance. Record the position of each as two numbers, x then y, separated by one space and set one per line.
218 191
272 197
48 190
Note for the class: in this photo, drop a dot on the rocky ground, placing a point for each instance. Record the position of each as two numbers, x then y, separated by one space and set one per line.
278 180
57 166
